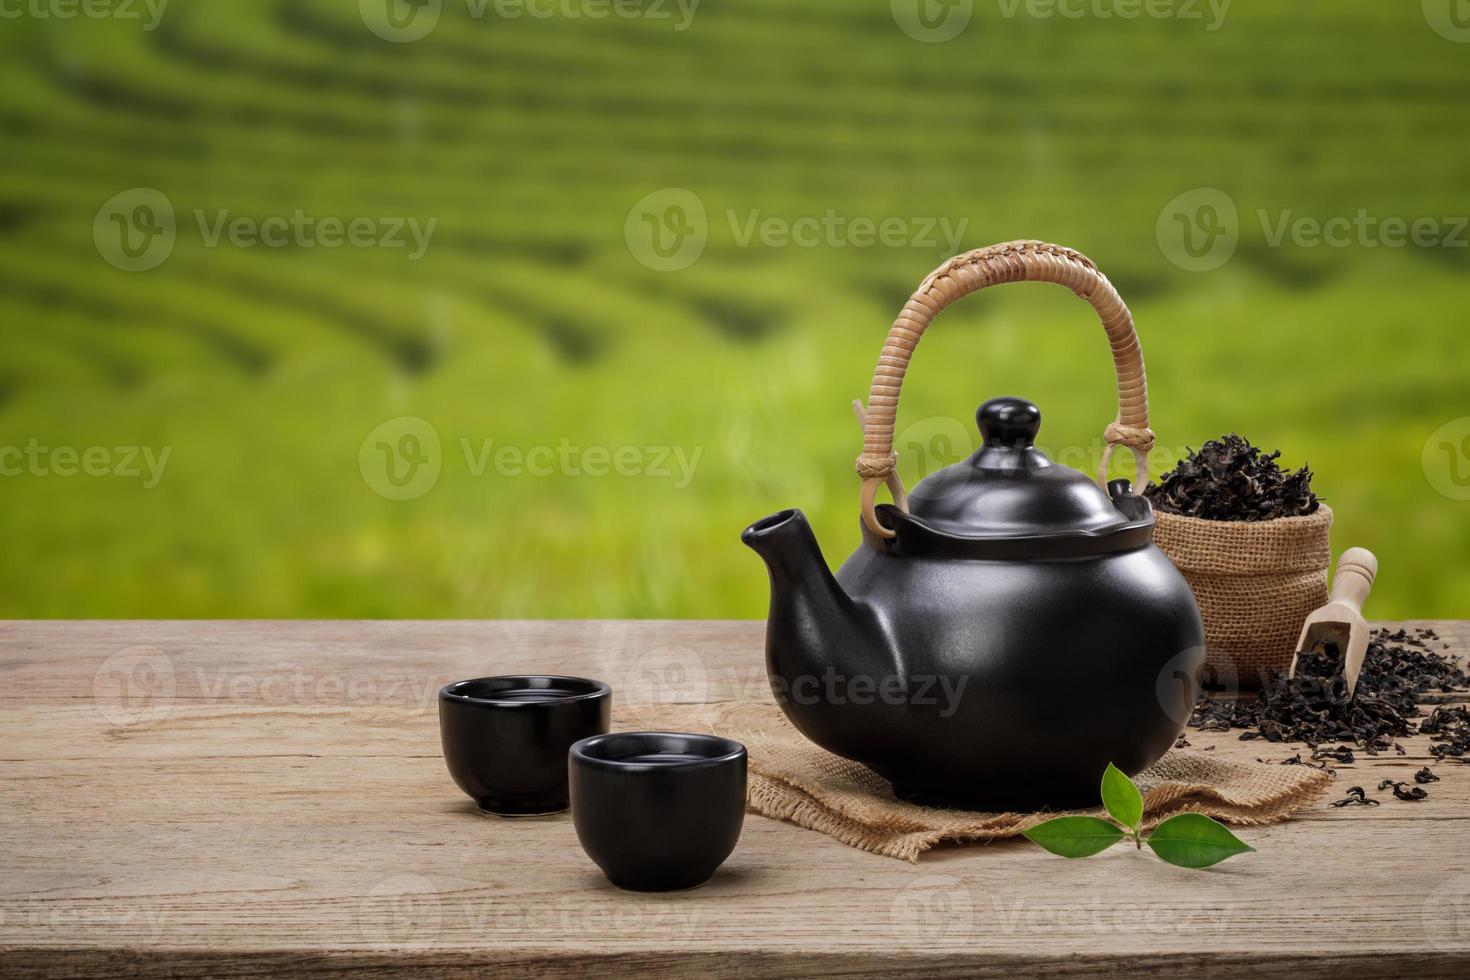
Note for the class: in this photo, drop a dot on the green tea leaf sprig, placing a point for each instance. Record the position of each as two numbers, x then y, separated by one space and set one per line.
1189 840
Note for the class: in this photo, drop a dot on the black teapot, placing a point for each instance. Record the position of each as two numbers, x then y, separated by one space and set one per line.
1007 630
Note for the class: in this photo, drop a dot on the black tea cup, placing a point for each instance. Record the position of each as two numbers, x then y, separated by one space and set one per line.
505 739
658 811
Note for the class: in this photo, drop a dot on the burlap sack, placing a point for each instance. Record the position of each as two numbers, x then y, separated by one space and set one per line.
1255 581
793 780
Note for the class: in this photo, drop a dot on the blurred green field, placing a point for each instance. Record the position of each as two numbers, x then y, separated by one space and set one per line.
534 319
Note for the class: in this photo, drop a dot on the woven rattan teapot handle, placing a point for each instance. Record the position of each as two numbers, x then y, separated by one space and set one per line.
968 273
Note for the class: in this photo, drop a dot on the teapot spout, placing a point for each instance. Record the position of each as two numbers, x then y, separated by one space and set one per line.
806 600
813 627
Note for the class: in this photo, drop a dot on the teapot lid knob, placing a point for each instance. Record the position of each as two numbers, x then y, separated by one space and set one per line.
1011 422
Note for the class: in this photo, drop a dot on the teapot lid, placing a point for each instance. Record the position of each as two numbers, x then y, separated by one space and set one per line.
1009 489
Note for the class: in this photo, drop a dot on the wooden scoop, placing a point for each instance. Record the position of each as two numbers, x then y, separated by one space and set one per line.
1341 621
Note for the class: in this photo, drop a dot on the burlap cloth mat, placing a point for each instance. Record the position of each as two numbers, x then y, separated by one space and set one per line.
791 779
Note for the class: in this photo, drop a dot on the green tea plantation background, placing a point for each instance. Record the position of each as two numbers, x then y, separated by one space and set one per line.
525 308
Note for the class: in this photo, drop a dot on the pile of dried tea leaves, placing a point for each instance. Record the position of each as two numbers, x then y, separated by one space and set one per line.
1449 728
1228 479
1401 672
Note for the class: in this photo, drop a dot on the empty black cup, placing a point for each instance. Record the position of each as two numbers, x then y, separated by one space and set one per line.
506 738
658 811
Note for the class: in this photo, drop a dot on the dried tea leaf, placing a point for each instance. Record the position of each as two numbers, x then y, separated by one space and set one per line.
1403 791
1355 797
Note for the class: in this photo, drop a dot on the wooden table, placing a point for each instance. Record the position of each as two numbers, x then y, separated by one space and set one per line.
232 798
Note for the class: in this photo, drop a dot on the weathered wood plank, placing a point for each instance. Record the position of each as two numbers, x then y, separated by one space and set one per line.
237 798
